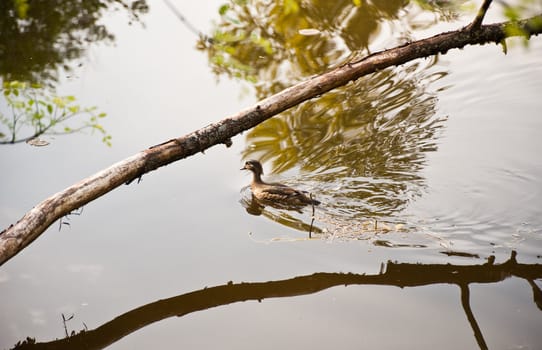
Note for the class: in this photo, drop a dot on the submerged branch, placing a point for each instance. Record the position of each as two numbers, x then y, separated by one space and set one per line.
16 237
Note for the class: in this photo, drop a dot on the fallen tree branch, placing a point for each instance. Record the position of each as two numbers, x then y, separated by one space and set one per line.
16 237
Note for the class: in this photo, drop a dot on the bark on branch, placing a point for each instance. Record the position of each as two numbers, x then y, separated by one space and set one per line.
16 237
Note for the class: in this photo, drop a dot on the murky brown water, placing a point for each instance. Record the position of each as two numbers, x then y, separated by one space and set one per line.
429 231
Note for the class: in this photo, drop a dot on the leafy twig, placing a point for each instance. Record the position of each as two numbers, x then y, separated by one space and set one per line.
33 108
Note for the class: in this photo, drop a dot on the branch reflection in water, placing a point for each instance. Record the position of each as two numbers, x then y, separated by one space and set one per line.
395 274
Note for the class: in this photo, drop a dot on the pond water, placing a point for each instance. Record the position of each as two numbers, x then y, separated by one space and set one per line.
430 229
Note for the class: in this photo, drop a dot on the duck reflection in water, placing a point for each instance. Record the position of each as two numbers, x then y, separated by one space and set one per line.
278 196
275 194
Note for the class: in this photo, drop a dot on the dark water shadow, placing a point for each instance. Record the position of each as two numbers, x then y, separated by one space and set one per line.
394 274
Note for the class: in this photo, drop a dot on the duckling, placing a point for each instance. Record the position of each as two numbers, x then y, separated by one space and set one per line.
274 192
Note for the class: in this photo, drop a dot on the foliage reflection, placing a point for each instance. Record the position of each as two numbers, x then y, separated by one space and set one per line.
273 44
39 40
365 143
361 147
40 37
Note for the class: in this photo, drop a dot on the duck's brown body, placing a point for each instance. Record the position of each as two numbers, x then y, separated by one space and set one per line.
274 192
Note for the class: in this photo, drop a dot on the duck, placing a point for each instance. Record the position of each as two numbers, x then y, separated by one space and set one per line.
274 192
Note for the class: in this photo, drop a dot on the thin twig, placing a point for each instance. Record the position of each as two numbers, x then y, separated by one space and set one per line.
183 19
312 220
64 320
14 125
477 22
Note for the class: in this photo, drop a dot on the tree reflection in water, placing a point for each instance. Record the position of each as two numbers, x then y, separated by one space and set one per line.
40 38
360 148
395 274
39 41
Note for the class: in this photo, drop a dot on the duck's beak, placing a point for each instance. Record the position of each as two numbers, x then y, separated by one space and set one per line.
244 167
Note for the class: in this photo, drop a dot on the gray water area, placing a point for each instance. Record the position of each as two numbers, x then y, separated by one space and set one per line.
183 227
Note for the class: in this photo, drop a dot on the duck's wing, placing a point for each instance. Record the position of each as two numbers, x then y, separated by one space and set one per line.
277 184
284 191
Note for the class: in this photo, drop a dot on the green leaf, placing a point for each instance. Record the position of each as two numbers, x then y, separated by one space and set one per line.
16 84
18 104
107 140
50 108
102 115
218 59
223 9
37 116
59 102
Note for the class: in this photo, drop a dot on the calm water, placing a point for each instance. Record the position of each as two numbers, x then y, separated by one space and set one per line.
442 154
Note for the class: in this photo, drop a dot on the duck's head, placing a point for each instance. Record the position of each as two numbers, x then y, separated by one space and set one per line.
254 166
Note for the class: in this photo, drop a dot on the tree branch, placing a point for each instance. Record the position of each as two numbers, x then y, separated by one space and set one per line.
16 237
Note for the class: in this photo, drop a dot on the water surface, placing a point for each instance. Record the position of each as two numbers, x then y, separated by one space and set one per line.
442 154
